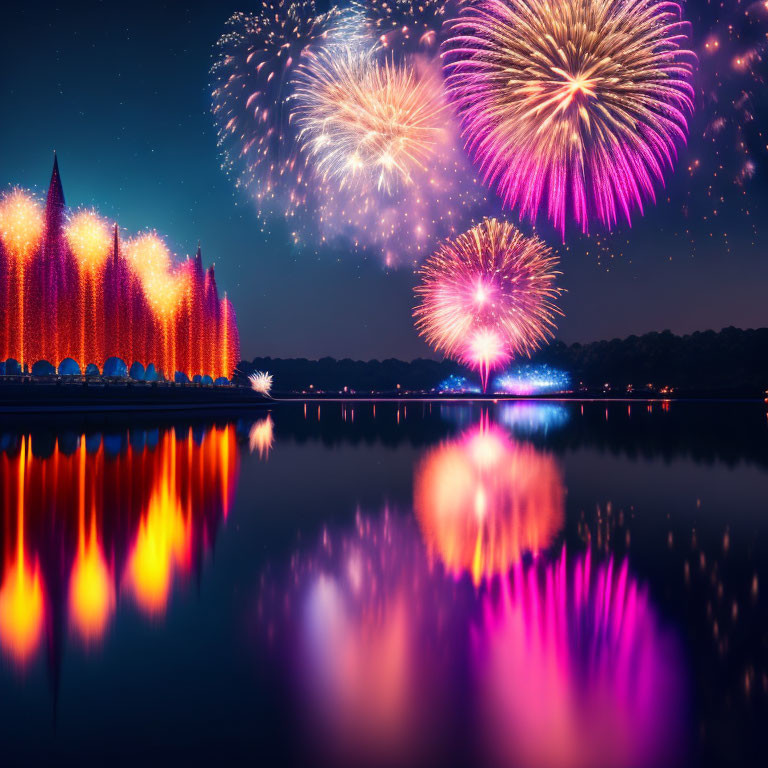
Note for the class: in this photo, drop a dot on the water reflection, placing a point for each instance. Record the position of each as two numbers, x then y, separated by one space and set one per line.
560 663
527 418
261 436
92 592
21 593
484 500
90 518
573 670
506 622
356 620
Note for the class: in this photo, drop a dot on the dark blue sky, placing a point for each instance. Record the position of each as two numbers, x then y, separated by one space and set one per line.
121 91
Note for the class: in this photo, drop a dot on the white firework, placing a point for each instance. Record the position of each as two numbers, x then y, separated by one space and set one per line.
261 382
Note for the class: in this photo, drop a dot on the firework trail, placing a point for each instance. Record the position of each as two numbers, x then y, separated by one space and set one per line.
488 296
577 106
254 62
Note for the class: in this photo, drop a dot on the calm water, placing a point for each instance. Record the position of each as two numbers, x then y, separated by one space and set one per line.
511 584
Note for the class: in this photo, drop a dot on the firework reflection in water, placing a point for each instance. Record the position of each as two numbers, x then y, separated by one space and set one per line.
389 655
484 501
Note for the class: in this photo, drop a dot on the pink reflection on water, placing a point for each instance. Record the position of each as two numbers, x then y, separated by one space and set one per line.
572 669
359 617
394 661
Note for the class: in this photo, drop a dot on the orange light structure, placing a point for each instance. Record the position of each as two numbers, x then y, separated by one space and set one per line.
74 290
21 228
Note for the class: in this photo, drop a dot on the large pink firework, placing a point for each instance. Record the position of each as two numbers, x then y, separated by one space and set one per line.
488 296
581 103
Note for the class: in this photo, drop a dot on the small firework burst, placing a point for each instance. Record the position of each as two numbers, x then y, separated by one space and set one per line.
577 107
261 382
488 296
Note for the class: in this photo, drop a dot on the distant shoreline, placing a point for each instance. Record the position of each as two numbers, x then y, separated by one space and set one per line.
36 396
40 396
583 397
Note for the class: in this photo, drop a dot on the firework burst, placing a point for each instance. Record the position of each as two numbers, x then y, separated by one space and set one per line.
581 102
254 62
488 296
367 124
261 382
162 283
387 169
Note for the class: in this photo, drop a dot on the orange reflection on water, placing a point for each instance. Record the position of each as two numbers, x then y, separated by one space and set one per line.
163 540
132 508
186 473
21 593
91 592
484 500
21 609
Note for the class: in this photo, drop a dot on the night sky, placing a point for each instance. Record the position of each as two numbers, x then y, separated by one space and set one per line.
121 91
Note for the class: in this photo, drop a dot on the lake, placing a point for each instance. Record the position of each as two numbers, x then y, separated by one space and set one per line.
380 583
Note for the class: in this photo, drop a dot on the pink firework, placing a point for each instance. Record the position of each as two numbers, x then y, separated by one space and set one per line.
488 296
581 103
